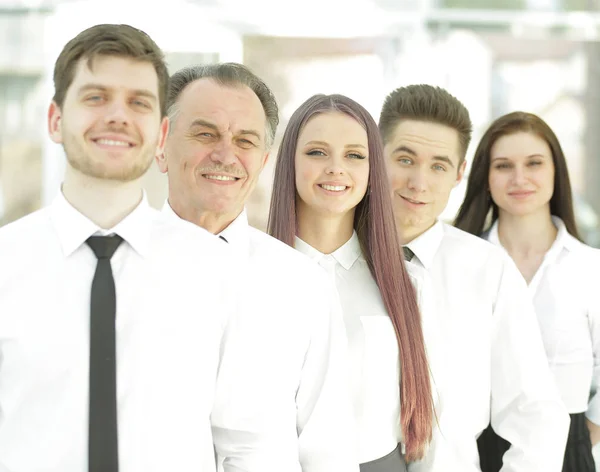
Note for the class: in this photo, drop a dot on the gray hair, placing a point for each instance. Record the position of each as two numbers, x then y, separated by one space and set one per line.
228 74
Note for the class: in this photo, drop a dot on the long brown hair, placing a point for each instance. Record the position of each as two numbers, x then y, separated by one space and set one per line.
374 225
478 202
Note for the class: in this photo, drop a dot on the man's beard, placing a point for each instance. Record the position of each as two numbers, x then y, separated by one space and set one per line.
134 168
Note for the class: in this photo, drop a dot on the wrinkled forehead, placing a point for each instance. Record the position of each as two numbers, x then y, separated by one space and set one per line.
229 107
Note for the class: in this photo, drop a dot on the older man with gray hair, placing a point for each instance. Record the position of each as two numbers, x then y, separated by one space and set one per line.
282 402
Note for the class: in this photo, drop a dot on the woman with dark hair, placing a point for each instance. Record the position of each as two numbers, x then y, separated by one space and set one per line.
331 201
519 198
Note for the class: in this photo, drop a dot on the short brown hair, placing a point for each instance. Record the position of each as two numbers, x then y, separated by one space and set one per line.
109 40
425 103
229 74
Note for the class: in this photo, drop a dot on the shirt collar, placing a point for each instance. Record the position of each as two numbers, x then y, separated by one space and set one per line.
236 234
346 255
426 245
74 228
563 240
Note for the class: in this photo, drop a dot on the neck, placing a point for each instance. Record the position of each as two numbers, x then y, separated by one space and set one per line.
210 221
406 234
523 235
325 233
105 202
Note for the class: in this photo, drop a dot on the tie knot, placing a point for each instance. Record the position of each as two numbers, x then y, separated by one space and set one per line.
408 254
104 246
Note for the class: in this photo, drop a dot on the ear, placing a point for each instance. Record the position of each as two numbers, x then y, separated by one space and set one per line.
55 123
265 159
161 158
461 172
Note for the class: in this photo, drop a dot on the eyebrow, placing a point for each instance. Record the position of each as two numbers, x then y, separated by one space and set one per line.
501 158
323 143
208 124
103 88
410 151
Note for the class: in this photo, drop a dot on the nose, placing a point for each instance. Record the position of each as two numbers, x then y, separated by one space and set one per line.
417 181
118 114
335 166
223 152
519 176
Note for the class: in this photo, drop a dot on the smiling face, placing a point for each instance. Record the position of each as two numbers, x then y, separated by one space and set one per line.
216 150
110 124
332 166
521 176
424 165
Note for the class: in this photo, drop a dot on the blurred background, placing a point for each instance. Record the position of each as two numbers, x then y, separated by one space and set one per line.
496 56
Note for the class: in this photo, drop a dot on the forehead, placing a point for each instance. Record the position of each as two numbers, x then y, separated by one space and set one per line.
520 144
426 139
235 107
115 73
333 128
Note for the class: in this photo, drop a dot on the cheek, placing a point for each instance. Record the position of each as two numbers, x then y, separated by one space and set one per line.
251 163
496 183
362 179
396 178
306 173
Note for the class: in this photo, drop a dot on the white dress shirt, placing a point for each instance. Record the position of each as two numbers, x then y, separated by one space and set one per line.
565 294
173 301
373 348
491 353
282 382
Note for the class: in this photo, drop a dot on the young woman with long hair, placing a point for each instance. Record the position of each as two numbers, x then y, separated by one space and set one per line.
331 201
519 198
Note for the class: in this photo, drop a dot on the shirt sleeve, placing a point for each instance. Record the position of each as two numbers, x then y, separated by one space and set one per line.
325 418
593 411
250 435
526 408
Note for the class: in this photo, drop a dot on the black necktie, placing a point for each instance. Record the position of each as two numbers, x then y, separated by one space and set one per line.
408 254
103 452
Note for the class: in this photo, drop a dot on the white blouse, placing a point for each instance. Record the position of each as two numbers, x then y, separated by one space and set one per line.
565 295
375 366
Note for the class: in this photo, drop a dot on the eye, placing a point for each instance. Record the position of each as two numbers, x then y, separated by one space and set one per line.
404 161
204 134
142 104
439 167
94 98
245 143
535 163
356 155
315 152
502 166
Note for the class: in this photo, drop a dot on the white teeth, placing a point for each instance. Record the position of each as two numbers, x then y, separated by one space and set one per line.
219 177
334 188
110 142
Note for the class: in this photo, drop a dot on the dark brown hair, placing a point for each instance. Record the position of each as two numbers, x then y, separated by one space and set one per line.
374 224
425 103
229 74
478 202
109 40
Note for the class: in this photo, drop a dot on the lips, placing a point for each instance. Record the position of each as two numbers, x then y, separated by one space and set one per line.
412 201
114 141
333 188
220 178
521 193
